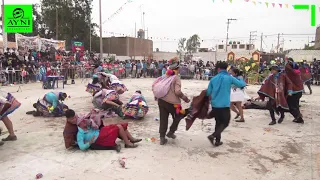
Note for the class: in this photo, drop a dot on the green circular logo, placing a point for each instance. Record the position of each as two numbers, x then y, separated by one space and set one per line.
18 13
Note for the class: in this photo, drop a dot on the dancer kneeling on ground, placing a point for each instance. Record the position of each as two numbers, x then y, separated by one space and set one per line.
8 104
105 137
137 106
95 86
50 105
114 83
108 100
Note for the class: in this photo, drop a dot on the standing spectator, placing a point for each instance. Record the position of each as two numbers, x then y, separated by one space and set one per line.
139 67
128 68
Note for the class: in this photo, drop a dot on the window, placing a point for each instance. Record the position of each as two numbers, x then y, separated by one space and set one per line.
234 46
242 46
220 47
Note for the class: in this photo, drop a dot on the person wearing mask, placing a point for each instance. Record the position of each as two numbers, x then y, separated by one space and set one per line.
219 90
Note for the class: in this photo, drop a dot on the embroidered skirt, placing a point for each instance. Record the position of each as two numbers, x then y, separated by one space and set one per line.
135 109
15 104
92 88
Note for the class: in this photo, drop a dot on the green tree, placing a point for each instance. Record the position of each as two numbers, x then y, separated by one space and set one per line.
73 21
181 47
193 43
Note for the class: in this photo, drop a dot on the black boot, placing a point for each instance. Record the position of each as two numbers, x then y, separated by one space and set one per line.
163 141
280 120
273 122
299 120
171 135
72 81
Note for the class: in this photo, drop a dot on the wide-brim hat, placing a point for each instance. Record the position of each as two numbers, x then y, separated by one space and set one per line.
173 63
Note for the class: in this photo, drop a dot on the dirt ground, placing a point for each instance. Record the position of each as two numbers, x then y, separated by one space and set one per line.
251 151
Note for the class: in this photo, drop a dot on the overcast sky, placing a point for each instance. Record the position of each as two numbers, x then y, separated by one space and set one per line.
170 20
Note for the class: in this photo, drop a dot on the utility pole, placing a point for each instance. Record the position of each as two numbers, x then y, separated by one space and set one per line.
278 43
90 33
228 23
261 40
57 24
4 34
101 48
251 39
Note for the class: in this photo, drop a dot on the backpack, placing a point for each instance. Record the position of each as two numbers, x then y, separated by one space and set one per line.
161 86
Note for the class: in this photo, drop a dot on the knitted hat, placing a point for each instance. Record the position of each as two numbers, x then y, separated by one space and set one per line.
173 63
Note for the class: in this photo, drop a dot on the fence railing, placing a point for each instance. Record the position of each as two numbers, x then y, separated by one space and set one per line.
8 77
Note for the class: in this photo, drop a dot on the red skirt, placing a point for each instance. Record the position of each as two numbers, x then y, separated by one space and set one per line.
109 134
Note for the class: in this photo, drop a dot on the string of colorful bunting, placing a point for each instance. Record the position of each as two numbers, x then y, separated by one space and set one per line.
220 40
118 11
268 4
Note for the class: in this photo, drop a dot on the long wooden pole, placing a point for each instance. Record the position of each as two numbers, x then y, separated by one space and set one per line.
101 47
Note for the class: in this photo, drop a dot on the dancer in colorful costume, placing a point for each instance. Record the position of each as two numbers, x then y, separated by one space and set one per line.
51 105
114 83
8 104
276 87
137 106
95 86
108 100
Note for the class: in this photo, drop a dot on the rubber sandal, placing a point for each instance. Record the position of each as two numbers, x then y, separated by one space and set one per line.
10 138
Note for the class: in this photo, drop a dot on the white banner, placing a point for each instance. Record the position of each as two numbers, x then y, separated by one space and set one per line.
25 43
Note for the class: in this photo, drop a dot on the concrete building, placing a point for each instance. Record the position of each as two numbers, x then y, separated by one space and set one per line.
317 40
236 47
128 46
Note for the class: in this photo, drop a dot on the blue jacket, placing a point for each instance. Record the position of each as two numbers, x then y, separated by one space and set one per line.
52 98
84 137
220 88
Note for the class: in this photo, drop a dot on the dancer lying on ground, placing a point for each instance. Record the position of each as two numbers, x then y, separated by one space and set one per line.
105 137
51 105
137 106
8 104
108 100
71 129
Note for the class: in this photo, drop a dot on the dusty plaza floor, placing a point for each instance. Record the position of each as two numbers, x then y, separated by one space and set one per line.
251 151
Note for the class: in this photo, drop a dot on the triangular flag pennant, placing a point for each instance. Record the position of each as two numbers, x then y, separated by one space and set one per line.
287 6
260 2
280 5
230 1
273 4
213 1
254 2
267 4
246 0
